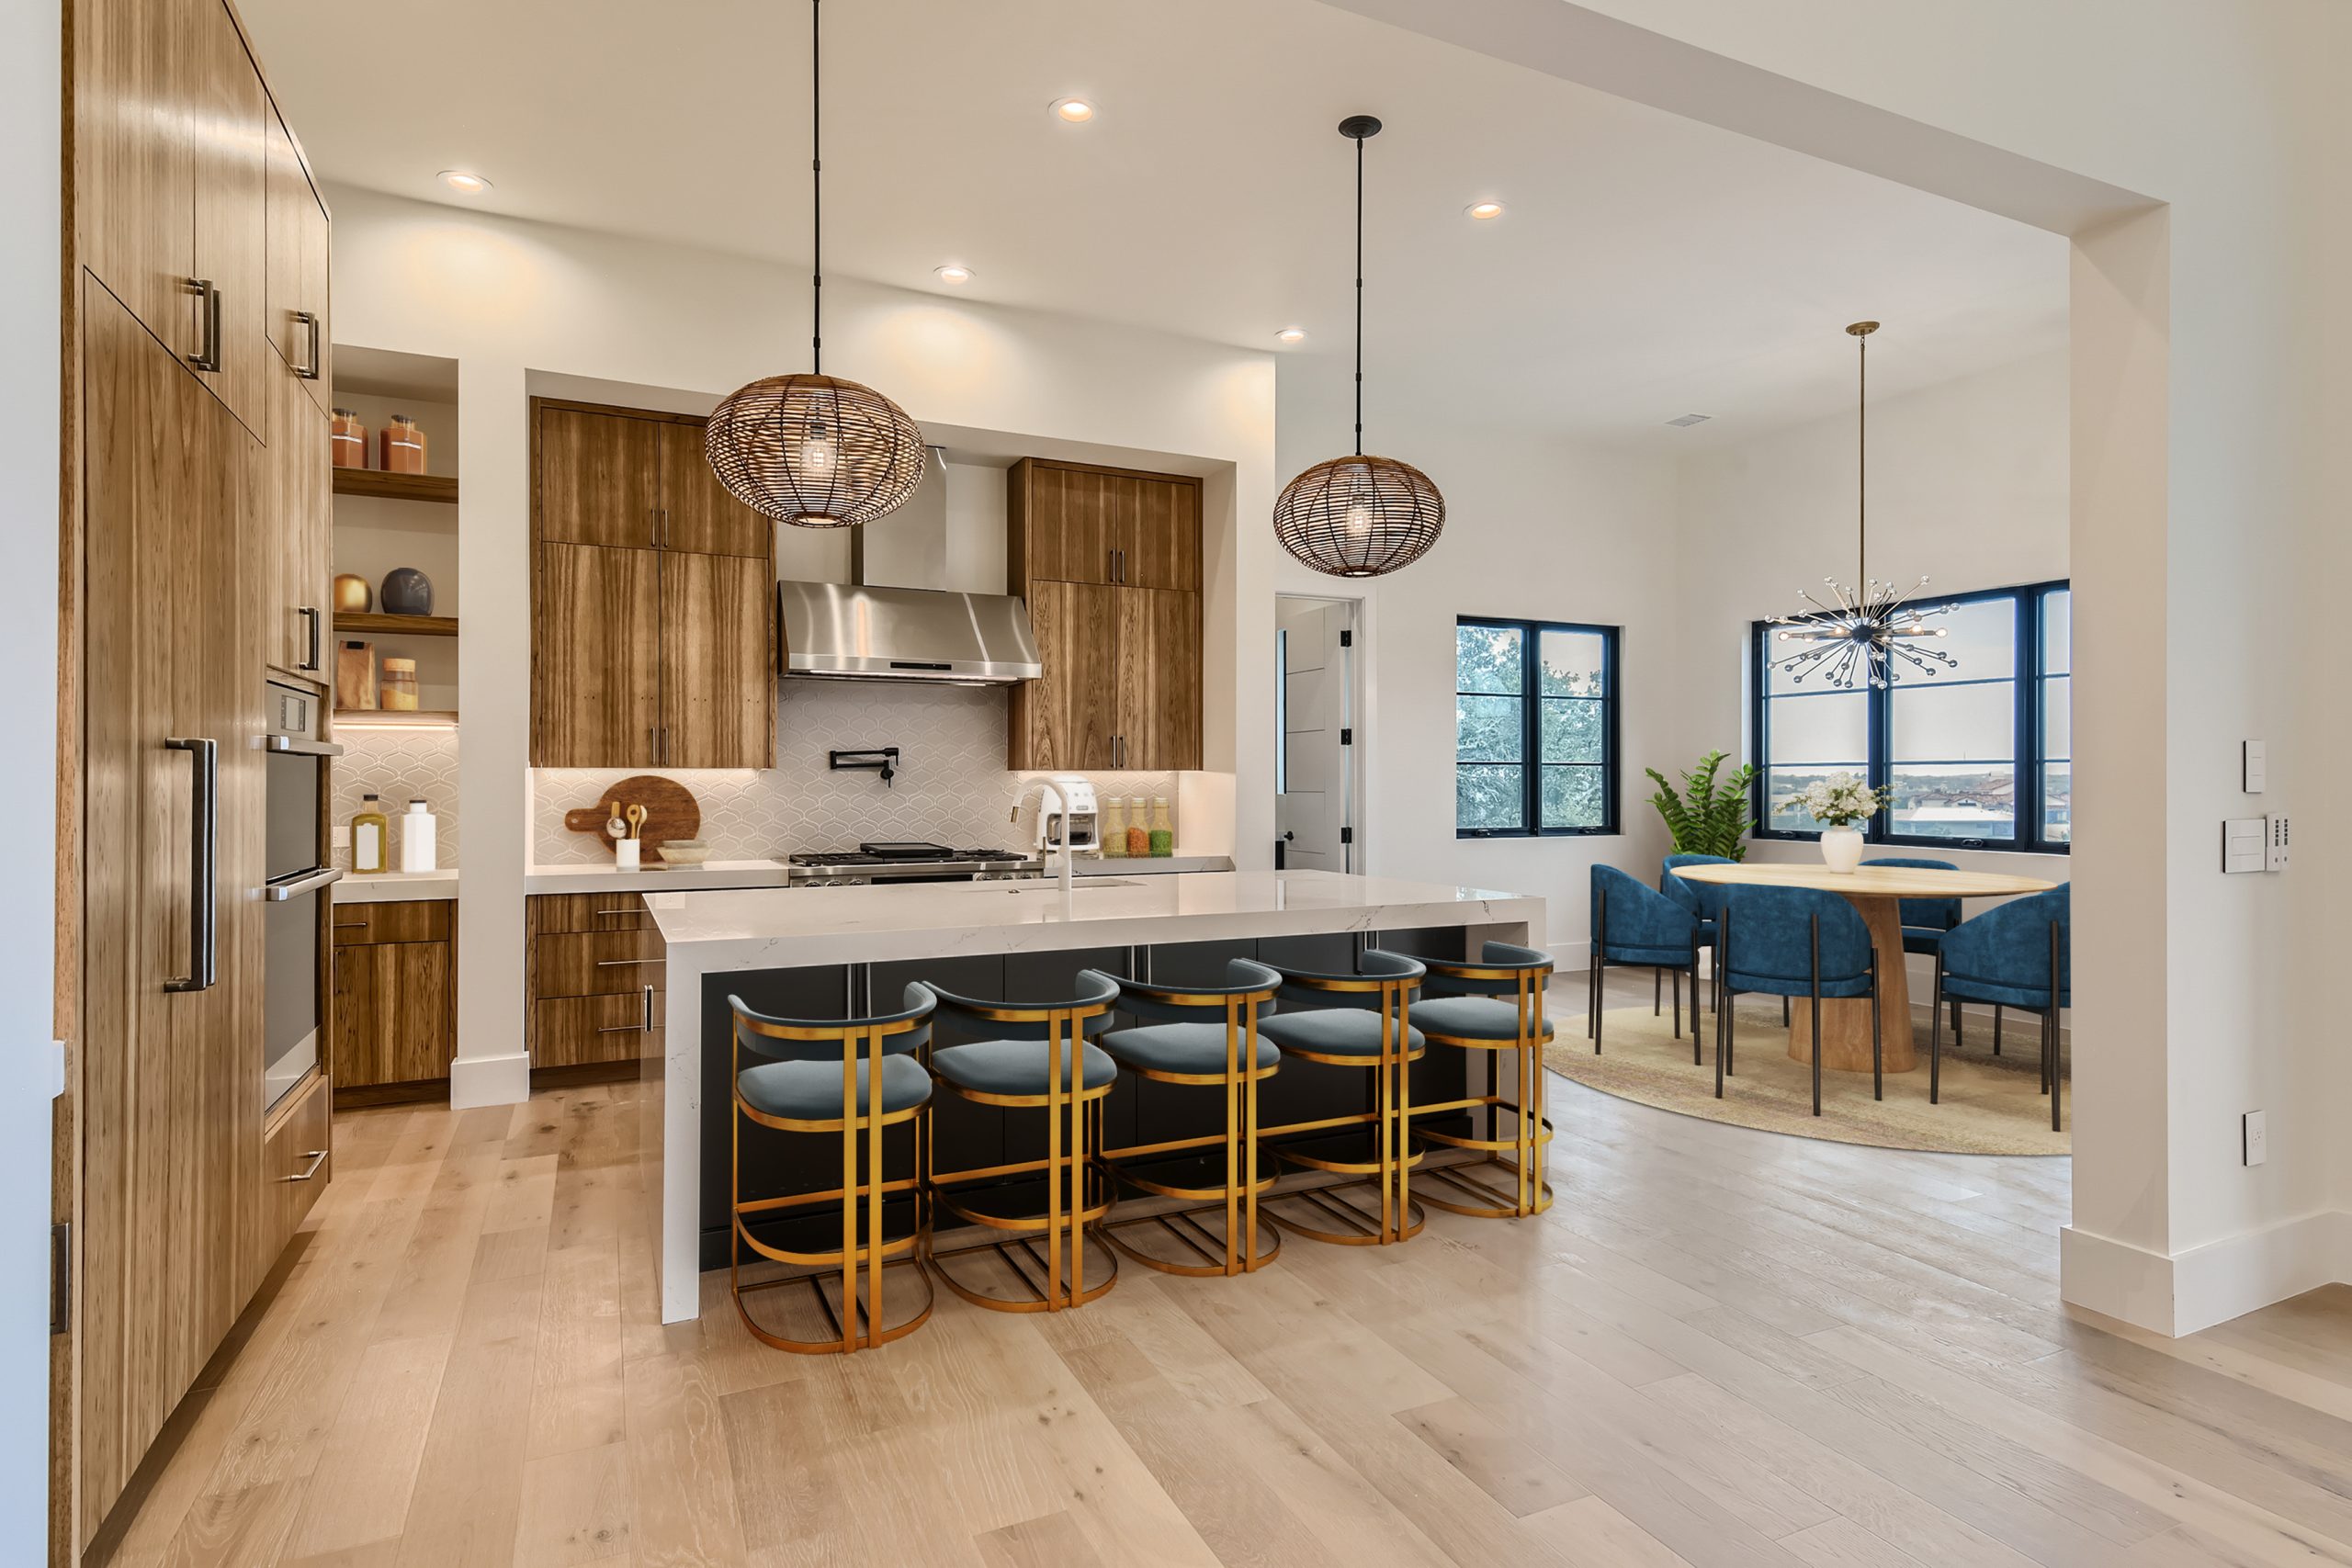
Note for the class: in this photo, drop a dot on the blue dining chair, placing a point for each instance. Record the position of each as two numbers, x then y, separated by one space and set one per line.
2015 955
1924 920
1704 899
1795 942
1637 926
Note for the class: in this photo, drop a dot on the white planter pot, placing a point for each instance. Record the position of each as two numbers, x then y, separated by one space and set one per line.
1841 849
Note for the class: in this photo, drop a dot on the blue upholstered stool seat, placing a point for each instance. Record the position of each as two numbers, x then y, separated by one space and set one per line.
1471 1018
1018 1066
1333 1032
811 1091
1180 1047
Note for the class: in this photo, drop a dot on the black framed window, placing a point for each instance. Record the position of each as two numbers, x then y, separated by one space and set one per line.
1535 728
1976 758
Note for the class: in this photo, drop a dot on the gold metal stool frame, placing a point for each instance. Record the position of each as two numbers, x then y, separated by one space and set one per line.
1064 1233
1399 1218
1529 1193
1243 1187
860 1323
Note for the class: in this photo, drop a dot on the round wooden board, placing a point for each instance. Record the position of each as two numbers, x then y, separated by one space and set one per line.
671 812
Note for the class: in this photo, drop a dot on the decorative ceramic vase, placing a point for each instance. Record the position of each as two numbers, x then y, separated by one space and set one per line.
352 592
407 591
1841 849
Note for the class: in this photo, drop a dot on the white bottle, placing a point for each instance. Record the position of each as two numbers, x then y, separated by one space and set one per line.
420 838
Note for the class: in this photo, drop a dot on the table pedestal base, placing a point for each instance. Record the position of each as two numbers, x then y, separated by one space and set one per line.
1846 1021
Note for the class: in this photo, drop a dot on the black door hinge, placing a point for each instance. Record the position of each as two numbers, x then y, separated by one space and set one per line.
61 1277
1347 835
1347 639
1347 737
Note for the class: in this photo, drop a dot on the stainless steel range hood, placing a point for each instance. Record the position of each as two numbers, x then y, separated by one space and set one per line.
844 632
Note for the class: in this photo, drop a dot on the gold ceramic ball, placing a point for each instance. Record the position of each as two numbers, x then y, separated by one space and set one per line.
352 592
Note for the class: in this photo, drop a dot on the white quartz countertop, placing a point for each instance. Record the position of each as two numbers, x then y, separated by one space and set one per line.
779 928
395 886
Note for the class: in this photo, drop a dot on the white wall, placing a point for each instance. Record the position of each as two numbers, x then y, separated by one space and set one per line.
1535 528
2206 554
507 300
32 113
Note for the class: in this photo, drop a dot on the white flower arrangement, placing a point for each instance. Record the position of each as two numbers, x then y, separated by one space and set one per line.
1841 800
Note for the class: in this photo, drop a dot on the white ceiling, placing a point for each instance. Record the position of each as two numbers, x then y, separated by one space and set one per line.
1649 266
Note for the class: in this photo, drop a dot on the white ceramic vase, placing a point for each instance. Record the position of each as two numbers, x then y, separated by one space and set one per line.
1841 849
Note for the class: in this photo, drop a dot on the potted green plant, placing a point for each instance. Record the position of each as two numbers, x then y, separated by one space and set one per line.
1838 803
1706 818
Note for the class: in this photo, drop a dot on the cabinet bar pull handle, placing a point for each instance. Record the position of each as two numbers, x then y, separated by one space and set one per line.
203 862
649 1010
620 910
309 612
208 356
317 1158
308 369
624 962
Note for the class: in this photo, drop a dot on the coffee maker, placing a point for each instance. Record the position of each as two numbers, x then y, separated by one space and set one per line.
1084 834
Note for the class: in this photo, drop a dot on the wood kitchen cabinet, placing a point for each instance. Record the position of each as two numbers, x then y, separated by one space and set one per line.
395 994
1108 560
653 632
295 298
298 507
593 979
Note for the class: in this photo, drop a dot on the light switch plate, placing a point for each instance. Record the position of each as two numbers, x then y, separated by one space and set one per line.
340 838
2255 1131
2275 853
2243 842
2254 766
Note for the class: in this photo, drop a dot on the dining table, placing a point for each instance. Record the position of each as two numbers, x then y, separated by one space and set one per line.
1876 892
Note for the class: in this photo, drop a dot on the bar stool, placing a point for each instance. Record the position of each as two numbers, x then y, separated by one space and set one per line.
1495 1005
1035 1055
1204 1035
816 1075
1364 1026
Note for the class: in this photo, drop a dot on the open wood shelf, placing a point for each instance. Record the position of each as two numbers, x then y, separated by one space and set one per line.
396 487
395 626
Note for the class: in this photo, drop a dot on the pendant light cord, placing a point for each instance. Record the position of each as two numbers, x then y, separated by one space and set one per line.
1360 296
817 185
1862 464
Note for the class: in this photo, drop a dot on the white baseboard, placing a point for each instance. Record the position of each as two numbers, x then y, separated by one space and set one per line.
2205 1285
490 1081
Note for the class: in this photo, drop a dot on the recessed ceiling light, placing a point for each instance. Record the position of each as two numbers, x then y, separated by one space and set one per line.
1073 111
463 183
1290 335
1485 211
951 273
1688 420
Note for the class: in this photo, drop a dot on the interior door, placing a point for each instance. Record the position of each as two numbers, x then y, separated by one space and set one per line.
1066 717
170 1109
1158 679
698 513
1314 788
599 479
596 658
718 661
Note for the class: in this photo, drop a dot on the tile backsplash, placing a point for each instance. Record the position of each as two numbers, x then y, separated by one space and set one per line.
952 785
399 764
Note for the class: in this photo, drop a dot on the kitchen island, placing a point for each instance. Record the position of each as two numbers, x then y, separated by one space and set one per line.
833 952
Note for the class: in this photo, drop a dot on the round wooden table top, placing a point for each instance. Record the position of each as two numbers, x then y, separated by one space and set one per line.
1870 881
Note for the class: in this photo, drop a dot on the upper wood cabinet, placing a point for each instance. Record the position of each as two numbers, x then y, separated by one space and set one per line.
1109 562
295 300
1071 522
653 639
297 509
169 158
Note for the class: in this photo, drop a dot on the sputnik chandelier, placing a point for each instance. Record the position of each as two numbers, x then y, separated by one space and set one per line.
1876 633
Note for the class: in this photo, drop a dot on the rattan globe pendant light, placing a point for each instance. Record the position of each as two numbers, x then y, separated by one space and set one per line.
1358 515
814 450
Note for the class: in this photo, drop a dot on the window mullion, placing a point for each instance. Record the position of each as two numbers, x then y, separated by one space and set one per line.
1531 720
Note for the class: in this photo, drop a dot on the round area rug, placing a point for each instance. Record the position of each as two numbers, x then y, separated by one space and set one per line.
1990 1105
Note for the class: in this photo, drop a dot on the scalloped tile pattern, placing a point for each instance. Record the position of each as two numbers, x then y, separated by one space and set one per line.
399 765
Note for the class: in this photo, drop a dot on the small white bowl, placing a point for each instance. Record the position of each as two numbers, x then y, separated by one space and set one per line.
684 852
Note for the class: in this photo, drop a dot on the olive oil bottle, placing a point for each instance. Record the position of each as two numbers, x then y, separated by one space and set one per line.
369 832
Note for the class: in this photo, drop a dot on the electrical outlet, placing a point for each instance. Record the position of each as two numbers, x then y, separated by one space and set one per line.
2255 1134
2275 856
342 836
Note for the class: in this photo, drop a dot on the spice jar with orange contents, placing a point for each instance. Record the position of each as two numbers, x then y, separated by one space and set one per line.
347 440
399 447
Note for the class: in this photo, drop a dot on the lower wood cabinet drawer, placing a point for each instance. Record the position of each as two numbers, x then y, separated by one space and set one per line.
587 912
296 1164
395 1014
592 964
569 1031
422 920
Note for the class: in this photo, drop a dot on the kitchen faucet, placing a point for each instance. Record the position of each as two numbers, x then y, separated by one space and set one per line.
1053 799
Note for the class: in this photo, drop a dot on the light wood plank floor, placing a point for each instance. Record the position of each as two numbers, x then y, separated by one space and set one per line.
1721 1347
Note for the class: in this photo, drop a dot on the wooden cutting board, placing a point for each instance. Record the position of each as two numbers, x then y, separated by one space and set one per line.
671 812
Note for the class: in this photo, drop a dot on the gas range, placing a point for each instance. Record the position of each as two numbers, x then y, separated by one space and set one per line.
874 862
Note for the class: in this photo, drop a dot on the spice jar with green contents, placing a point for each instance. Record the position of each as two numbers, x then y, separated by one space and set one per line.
1164 831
